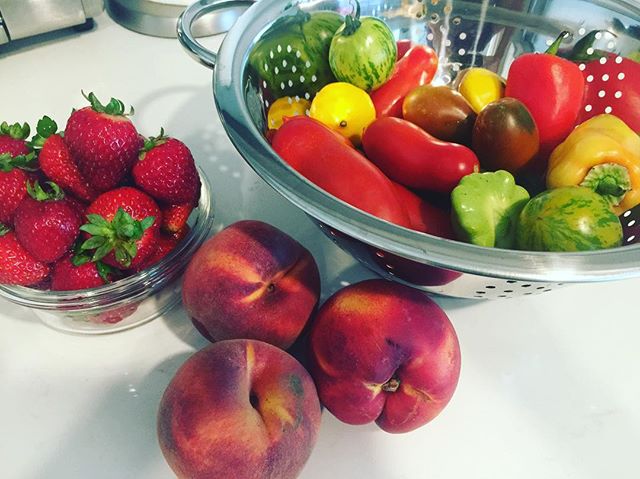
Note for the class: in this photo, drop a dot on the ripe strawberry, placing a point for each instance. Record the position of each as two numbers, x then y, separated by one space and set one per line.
174 217
56 161
46 224
68 275
103 142
166 243
167 172
13 139
123 227
17 266
15 156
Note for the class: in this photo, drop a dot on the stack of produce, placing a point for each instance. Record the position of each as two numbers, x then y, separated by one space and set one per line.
536 161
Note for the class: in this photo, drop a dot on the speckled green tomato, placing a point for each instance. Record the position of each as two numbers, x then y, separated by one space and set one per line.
572 218
363 52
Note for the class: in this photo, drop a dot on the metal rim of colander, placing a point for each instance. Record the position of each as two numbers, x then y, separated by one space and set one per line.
229 93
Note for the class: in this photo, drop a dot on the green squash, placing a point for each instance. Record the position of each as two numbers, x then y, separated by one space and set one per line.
572 218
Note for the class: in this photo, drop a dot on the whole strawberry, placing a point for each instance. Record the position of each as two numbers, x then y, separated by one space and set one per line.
17 266
56 161
15 158
46 224
123 227
103 142
13 139
69 274
166 171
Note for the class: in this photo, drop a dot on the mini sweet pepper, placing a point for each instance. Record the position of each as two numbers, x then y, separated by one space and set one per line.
486 207
603 154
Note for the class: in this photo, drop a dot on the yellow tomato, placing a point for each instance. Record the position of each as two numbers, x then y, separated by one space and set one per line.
286 107
344 108
480 87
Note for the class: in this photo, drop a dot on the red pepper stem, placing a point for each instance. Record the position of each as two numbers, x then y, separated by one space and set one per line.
555 46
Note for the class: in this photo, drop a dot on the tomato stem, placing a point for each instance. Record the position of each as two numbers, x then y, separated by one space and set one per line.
352 22
610 180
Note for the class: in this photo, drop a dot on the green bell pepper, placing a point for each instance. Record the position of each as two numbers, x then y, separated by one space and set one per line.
485 209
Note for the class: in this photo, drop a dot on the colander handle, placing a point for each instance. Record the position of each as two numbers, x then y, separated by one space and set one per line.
221 24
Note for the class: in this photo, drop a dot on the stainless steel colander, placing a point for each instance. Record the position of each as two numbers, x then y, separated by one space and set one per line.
464 33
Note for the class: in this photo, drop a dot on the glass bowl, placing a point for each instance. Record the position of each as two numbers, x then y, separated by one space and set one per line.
128 302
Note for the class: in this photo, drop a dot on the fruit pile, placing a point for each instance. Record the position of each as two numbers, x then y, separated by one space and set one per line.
485 160
93 204
243 407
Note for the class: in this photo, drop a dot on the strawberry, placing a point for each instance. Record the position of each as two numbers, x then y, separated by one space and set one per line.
165 244
46 224
17 266
166 171
69 274
12 139
123 227
103 142
174 217
15 157
56 161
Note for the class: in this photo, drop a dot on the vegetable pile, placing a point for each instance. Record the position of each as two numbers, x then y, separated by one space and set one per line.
93 204
522 162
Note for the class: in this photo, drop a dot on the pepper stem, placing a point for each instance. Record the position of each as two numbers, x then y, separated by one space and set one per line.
555 46
352 22
610 180
391 385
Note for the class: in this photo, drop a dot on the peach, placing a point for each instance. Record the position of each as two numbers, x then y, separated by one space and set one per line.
240 409
384 352
251 281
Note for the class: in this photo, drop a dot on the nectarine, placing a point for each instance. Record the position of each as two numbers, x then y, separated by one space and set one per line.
251 281
240 409
384 352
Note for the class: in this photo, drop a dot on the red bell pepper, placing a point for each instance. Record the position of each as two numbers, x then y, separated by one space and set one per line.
618 77
403 48
329 161
416 68
411 156
552 89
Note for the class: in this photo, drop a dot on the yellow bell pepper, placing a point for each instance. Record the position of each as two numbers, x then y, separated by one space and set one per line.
603 154
480 87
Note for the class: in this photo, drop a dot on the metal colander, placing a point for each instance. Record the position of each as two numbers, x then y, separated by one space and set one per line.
485 33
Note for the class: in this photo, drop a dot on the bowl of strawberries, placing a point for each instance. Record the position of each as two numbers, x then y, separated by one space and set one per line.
97 223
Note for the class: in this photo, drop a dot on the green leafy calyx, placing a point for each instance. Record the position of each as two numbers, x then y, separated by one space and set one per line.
4 229
114 107
153 141
352 22
15 131
119 235
45 128
24 162
38 193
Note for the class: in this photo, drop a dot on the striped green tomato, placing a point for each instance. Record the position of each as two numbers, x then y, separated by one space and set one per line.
363 52
572 218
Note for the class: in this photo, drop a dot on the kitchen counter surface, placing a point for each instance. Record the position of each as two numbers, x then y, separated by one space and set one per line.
549 385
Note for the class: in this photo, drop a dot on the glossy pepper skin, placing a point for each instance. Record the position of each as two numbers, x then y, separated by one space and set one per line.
552 89
486 207
409 155
328 160
417 67
603 154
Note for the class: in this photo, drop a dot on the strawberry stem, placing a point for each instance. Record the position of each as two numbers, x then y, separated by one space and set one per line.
45 128
4 229
153 141
115 107
24 162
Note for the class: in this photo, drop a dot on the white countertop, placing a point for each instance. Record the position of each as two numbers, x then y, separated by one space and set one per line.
549 385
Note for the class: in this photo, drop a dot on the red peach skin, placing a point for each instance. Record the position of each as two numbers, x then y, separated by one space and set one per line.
240 409
384 352
251 281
